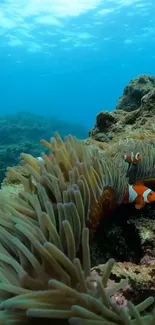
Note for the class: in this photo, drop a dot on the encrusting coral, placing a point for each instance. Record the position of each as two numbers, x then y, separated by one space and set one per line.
44 239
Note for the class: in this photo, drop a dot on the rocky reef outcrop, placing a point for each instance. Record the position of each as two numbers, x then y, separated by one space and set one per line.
134 91
135 110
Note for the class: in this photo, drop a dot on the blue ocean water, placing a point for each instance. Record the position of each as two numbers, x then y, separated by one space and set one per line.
72 58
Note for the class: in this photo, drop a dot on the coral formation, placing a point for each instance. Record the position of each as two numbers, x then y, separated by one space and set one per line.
134 91
135 111
45 262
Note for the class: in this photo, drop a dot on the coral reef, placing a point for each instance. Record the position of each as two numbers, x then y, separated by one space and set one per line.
134 91
135 111
45 263
22 133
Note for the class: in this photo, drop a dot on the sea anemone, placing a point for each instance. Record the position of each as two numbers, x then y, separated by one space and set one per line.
39 281
76 176
44 239
144 171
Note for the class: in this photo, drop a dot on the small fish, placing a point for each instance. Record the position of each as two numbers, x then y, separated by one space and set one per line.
132 158
139 195
40 159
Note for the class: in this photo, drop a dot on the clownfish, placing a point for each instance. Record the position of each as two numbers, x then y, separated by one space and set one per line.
139 195
40 159
132 158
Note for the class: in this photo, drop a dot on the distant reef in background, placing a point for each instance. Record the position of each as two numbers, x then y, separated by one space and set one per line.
22 132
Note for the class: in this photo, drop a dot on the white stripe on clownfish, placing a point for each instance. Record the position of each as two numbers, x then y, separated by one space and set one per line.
40 159
132 156
137 156
145 195
132 193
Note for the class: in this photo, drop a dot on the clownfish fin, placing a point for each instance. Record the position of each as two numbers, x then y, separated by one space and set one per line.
138 206
140 203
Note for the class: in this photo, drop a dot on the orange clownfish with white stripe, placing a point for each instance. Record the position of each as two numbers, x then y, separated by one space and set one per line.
139 195
132 158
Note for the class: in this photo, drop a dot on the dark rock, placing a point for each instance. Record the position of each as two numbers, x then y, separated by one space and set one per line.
105 123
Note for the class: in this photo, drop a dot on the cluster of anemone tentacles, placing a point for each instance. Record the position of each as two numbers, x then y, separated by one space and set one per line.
45 269
145 169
